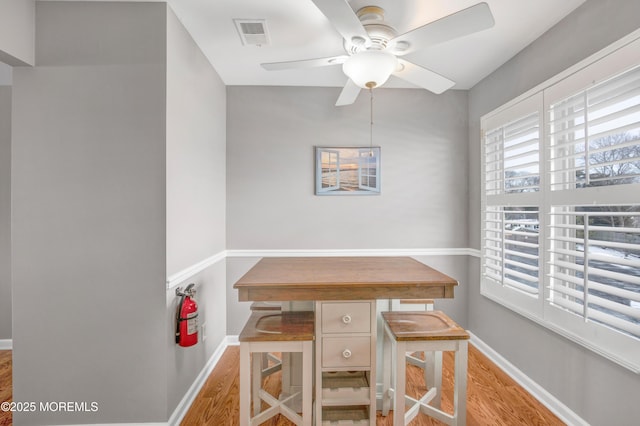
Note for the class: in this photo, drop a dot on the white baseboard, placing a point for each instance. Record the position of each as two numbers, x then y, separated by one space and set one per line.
563 412
6 344
190 396
355 252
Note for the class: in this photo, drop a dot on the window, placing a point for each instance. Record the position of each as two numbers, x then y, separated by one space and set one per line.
511 205
561 206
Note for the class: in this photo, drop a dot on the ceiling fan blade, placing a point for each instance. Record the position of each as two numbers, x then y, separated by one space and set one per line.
349 94
343 19
467 21
307 63
423 77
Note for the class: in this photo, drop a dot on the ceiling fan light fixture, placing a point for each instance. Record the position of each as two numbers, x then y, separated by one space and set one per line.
358 41
402 46
370 68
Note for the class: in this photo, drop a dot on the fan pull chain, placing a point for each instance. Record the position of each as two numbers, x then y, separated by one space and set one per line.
371 123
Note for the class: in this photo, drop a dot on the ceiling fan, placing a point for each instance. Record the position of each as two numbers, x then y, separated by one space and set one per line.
374 49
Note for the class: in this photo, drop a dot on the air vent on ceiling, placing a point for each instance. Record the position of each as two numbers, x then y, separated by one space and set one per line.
252 31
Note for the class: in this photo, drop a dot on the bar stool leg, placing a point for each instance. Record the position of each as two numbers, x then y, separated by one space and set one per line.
399 383
307 383
256 382
245 383
437 377
386 372
460 384
429 369
287 363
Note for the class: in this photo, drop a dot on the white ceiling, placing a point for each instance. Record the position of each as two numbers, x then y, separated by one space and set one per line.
298 30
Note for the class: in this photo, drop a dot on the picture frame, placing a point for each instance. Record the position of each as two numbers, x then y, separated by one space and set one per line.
347 170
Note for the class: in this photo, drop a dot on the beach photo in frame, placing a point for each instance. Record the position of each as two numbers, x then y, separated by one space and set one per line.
347 170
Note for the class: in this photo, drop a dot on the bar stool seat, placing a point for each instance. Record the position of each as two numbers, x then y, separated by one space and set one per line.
429 331
268 331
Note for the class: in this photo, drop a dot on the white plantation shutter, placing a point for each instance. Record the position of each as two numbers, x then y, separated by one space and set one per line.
594 193
511 250
511 261
561 206
594 135
595 259
512 156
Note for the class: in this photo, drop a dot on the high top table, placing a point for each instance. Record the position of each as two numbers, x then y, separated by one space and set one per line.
342 278
344 290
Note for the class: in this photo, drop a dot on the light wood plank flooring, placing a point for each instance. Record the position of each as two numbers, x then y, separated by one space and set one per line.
5 385
493 398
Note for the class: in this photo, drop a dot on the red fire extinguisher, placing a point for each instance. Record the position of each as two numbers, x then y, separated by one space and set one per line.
187 317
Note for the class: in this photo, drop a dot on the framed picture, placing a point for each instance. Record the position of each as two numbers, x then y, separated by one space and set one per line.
347 170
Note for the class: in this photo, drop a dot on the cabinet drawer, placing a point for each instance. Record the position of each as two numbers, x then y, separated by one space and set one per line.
346 317
346 352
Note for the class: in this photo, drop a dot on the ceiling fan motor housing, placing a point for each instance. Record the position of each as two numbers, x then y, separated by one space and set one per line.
372 19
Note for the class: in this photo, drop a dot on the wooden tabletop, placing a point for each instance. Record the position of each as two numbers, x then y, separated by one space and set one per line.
342 278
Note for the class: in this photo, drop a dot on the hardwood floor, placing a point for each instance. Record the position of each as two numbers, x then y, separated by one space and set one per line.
493 398
6 386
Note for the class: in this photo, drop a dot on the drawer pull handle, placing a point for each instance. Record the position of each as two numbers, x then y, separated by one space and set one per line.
346 354
346 319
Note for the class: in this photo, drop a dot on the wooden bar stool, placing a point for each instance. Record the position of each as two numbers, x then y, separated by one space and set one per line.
430 362
264 332
270 362
429 331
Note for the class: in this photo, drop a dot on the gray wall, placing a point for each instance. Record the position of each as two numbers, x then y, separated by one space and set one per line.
271 132
17 32
237 312
270 169
6 73
599 391
89 206
5 212
196 141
